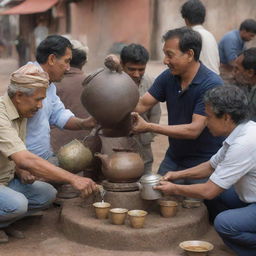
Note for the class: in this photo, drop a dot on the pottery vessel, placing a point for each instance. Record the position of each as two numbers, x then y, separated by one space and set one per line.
110 97
168 208
137 218
118 215
101 209
122 166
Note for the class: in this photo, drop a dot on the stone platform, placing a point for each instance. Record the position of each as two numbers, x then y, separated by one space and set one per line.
79 224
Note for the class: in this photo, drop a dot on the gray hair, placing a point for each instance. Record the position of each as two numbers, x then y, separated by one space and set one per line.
13 89
228 99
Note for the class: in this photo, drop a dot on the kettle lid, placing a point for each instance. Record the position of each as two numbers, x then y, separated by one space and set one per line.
150 178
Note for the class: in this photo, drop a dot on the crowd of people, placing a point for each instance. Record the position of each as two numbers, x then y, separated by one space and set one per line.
210 124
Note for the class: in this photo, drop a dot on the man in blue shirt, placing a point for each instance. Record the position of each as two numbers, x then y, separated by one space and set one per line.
53 55
182 87
233 43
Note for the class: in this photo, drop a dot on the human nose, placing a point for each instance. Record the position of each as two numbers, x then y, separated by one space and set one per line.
136 73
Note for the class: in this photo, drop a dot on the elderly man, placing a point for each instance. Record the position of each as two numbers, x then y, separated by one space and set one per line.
182 86
53 56
232 183
25 94
245 76
134 58
193 12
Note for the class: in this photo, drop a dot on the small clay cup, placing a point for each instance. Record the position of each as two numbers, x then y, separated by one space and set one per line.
118 215
137 218
101 209
168 208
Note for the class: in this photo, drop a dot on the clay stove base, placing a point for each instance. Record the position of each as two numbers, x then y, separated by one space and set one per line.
79 224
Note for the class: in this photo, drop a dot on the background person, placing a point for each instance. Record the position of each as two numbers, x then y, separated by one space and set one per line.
232 44
182 87
69 91
245 76
193 12
134 58
232 183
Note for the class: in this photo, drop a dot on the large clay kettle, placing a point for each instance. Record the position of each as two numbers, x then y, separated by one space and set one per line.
122 166
110 97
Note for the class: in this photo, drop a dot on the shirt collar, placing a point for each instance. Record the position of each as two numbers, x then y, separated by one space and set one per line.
235 133
10 108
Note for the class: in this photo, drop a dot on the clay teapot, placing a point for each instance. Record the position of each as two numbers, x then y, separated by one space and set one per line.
122 166
110 96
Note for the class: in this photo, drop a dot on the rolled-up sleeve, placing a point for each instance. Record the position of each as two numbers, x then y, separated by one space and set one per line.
60 115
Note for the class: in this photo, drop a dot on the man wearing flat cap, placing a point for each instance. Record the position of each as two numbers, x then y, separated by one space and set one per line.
23 99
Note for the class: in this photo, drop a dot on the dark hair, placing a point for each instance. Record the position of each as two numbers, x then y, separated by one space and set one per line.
79 58
134 53
194 11
228 99
248 25
188 39
249 61
53 44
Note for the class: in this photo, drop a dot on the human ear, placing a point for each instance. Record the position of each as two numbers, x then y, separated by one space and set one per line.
51 59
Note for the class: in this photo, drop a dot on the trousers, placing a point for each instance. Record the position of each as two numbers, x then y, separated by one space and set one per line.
235 223
18 200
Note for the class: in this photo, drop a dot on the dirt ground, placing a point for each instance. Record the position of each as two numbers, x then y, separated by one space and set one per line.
43 234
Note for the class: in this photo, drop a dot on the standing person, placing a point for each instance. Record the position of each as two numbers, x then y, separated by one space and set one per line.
232 170
69 90
22 194
41 30
233 43
193 12
245 76
134 58
53 56
182 86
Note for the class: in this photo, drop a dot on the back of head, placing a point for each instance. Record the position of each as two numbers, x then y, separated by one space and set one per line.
79 54
228 99
194 11
53 44
134 53
188 40
248 25
249 61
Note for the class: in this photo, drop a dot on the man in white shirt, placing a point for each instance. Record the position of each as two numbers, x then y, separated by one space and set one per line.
232 170
193 12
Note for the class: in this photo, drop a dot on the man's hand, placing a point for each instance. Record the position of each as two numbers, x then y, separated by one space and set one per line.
139 124
166 187
89 122
85 185
112 62
169 176
25 176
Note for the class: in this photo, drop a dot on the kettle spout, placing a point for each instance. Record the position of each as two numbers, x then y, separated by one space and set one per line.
104 159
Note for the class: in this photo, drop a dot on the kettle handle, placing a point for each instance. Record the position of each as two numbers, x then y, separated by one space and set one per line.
139 186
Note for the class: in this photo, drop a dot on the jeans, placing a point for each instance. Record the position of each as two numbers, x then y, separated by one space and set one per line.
236 224
169 164
18 200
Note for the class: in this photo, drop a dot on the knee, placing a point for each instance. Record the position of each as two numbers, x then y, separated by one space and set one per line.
46 193
16 206
221 224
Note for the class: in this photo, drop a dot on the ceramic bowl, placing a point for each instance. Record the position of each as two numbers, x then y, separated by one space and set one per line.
196 248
